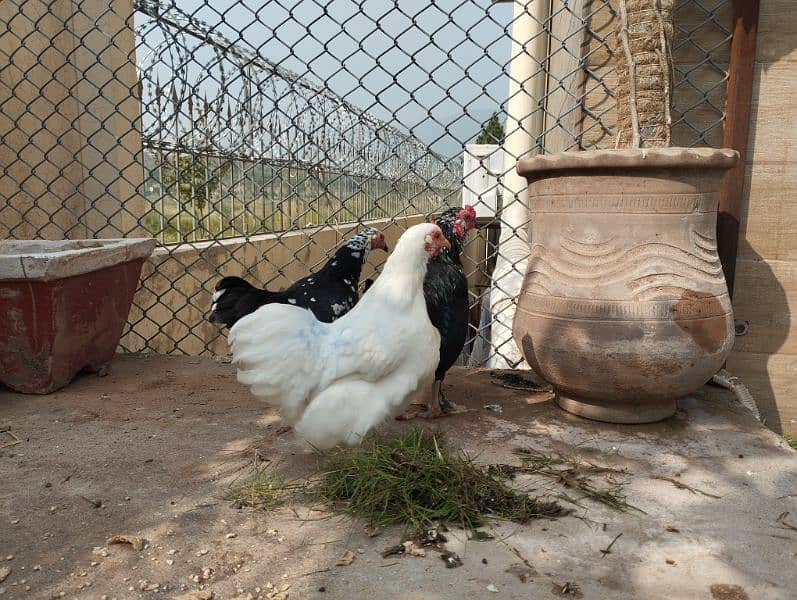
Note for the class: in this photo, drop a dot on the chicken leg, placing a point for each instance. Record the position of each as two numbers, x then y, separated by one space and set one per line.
438 407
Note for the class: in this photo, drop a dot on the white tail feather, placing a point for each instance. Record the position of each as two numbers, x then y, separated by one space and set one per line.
276 351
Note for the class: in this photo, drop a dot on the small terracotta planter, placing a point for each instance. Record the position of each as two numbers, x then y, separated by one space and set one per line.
64 305
624 306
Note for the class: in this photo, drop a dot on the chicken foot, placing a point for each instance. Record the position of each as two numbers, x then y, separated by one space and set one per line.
438 407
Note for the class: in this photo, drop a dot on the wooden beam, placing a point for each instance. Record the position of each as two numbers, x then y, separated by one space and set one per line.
566 76
736 131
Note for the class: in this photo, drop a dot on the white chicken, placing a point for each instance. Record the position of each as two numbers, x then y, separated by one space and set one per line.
335 381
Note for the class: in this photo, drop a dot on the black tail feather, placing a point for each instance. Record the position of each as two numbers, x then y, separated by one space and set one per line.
233 282
236 298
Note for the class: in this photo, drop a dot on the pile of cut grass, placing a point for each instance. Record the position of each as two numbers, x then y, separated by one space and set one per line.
415 481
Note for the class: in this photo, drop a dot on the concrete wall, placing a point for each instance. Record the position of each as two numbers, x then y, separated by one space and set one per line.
766 269
170 308
70 148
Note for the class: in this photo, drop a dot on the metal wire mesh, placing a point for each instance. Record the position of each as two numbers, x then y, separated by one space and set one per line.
250 137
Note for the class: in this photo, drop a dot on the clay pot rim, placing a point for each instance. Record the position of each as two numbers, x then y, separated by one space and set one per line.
539 166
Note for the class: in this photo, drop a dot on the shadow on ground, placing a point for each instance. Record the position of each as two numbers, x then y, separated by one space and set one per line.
159 439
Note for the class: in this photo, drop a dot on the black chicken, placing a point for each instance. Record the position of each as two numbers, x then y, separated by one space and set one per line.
329 293
446 292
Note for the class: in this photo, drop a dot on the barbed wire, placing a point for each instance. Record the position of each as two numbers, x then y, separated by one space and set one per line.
239 163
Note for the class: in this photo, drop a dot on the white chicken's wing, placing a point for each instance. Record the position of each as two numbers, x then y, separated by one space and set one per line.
286 356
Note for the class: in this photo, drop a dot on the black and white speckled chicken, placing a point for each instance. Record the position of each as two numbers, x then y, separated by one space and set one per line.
329 293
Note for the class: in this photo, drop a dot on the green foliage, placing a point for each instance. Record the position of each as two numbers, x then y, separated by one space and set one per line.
492 131
414 481
234 198
189 180
263 490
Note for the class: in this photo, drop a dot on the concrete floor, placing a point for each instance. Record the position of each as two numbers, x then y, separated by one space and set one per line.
159 439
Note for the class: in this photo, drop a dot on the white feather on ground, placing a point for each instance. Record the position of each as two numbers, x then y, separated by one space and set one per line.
335 381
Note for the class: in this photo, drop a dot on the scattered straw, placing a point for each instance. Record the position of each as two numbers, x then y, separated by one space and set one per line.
14 439
263 489
608 549
573 473
683 486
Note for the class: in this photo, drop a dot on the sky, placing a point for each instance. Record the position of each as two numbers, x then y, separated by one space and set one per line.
434 68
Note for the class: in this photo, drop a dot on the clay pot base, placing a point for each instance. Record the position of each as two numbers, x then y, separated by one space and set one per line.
626 414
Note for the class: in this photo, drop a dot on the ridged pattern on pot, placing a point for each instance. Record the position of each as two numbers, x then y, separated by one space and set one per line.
649 271
624 301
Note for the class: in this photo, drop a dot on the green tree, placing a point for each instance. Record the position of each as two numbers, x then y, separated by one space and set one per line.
492 131
190 181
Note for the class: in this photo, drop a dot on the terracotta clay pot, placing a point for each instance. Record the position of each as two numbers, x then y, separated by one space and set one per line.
624 306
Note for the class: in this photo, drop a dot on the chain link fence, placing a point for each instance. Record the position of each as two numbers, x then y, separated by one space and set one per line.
251 137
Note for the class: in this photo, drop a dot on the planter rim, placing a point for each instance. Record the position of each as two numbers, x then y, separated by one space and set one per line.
539 166
46 260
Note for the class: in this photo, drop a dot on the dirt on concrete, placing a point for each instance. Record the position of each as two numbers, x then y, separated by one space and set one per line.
149 451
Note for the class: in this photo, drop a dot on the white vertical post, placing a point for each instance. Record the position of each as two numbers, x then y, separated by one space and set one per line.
481 166
527 81
481 163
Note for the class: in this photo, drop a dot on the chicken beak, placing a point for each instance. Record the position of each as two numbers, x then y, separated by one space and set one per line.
446 245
